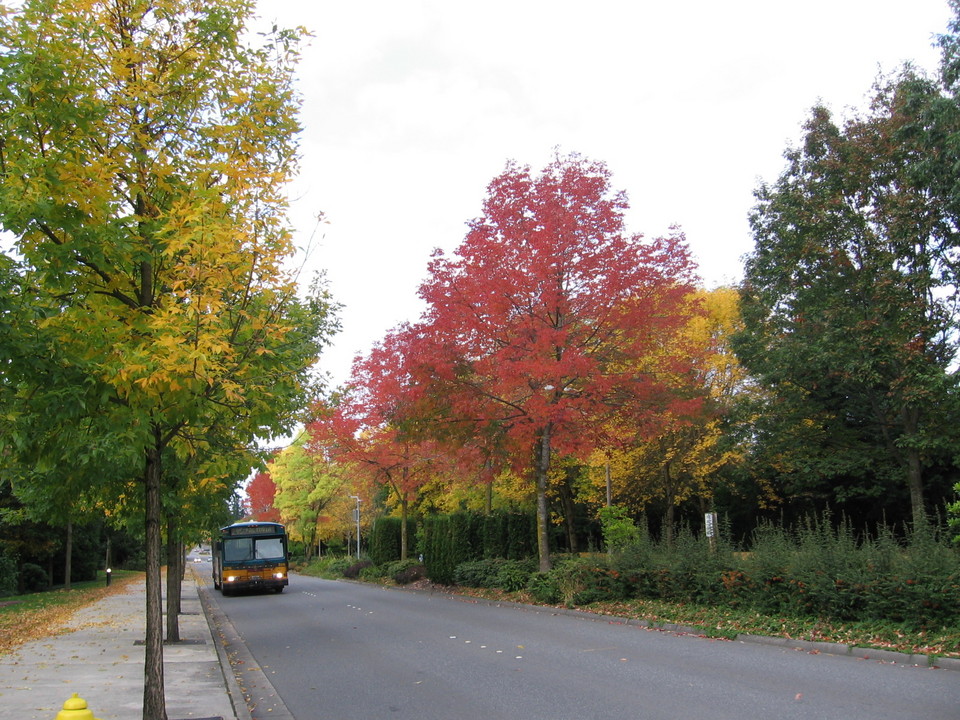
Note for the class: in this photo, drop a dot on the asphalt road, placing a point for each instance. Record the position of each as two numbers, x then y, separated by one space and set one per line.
349 651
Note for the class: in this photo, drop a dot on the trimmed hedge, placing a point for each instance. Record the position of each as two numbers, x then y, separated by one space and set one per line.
385 539
814 571
447 541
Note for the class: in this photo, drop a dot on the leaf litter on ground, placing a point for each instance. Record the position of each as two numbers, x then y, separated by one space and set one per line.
48 614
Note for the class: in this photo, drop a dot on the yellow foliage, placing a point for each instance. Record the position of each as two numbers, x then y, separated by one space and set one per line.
682 457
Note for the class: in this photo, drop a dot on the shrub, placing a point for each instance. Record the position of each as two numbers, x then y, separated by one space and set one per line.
478 573
385 539
353 570
584 581
8 575
406 571
619 530
514 575
338 566
369 571
34 578
509 575
436 540
543 588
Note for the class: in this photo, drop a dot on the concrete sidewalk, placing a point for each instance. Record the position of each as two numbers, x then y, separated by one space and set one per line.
100 657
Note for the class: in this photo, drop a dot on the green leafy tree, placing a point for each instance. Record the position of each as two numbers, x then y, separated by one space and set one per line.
849 298
144 151
306 488
943 114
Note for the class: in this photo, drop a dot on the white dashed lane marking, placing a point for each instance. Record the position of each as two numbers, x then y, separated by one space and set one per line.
485 647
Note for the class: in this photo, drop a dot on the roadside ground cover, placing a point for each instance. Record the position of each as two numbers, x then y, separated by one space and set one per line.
725 622
36 615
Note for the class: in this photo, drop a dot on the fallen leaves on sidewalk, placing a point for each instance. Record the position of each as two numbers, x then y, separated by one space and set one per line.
19 625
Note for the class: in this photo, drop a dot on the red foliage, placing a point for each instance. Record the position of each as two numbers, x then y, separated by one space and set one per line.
552 316
548 327
259 502
371 426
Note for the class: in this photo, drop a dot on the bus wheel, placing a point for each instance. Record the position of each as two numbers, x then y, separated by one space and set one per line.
278 590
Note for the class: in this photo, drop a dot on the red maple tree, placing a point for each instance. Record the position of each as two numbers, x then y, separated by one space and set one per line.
374 427
261 491
551 320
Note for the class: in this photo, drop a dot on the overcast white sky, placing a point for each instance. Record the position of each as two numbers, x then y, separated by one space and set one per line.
411 107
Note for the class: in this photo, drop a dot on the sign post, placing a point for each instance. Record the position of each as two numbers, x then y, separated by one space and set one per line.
710 521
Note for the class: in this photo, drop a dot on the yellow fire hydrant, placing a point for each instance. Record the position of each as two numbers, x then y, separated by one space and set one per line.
75 709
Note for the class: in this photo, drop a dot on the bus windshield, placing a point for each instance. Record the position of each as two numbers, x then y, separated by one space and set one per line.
252 548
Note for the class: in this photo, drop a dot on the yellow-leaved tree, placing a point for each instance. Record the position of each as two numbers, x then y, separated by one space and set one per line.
683 456
312 496
144 152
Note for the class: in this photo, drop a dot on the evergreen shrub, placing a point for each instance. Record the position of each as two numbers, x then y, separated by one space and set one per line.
8 575
544 588
588 580
386 540
478 573
338 566
514 575
34 577
352 571
818 569
406 571
369 571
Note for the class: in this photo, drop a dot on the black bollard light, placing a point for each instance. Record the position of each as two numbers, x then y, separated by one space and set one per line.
108 576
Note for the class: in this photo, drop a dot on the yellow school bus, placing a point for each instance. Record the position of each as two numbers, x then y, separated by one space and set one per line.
250 555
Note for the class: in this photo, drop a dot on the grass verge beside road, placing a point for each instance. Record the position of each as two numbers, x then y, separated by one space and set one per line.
724 622
36 615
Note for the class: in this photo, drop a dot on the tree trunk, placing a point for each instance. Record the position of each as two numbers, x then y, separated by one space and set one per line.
915 483
671 506
668 523
542 466
404 540
68 560
173 580
609 486
154 702
569 512
914 467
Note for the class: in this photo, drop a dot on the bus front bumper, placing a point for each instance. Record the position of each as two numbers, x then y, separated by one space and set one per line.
249 580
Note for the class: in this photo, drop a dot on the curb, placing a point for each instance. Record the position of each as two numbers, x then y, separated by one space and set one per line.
853 651
215 620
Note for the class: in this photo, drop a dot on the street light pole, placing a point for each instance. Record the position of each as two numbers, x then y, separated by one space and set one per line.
357 515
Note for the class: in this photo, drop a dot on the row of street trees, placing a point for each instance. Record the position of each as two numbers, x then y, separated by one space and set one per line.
575 364
551 332
149 331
